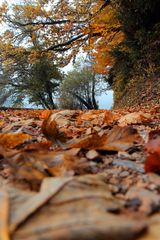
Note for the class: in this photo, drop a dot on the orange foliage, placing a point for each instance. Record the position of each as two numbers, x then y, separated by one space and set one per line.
107 26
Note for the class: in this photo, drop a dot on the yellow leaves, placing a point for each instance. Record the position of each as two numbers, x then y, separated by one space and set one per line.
3 9
31 11
9 140
107 26
8 34
33 56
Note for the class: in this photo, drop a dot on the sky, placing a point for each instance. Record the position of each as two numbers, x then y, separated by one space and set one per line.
106 100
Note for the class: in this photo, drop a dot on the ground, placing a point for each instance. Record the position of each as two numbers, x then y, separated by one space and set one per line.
138 91
80 174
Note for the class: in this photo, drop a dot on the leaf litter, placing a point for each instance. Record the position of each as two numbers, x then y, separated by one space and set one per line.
67 174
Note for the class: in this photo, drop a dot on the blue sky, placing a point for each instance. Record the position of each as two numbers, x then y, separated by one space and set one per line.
106 100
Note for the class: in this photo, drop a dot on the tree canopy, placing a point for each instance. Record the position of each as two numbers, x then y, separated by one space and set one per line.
121 36
61 26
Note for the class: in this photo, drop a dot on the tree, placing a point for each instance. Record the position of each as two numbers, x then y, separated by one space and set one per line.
137 57
107 35
42 84
38 82
33 75
80 88
62 26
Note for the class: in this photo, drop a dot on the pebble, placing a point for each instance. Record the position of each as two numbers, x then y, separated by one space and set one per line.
152 186
125 156
114 181
107 161
124 174
92 154
113 188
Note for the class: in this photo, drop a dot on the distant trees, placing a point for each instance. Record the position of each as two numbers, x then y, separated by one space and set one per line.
42 84
38 82
80 88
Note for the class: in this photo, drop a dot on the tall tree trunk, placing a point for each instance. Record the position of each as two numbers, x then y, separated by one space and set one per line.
42 100
49 91
93 94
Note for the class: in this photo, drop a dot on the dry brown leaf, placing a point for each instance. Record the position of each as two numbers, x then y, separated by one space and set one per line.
109 117
51 131
77 208
9 140
152 163
118 139
153 230
134 118
62 118
34 203
38 146
4 215
98 117
45 114
1 123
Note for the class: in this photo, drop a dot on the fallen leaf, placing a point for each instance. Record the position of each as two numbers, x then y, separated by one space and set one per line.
118 139
62 213
152 163
153 230
109 117
4 215
149 200
62 118
8 140
51 131
153 145
1 123
35 202
134 118
45 145
45 114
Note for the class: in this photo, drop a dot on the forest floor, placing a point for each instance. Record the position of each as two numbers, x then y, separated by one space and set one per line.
139 91
69 174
